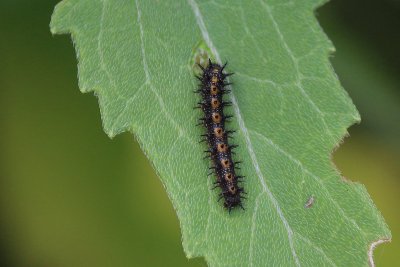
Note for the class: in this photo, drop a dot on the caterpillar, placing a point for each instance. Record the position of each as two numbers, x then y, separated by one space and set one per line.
212 89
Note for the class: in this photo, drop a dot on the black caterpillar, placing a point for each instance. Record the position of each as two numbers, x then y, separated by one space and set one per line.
212 90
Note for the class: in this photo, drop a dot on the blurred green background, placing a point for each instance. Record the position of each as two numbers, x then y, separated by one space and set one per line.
70 196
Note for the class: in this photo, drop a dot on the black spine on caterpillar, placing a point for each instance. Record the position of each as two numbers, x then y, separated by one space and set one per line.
212 90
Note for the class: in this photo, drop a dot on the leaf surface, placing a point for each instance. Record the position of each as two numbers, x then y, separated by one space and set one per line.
289 112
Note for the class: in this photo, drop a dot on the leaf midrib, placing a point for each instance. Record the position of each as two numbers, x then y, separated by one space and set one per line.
207 39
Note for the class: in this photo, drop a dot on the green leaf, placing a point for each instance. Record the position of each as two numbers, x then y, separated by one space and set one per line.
289 109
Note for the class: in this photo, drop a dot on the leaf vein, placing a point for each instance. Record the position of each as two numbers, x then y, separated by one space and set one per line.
317 248
148 79
298 82
316 178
